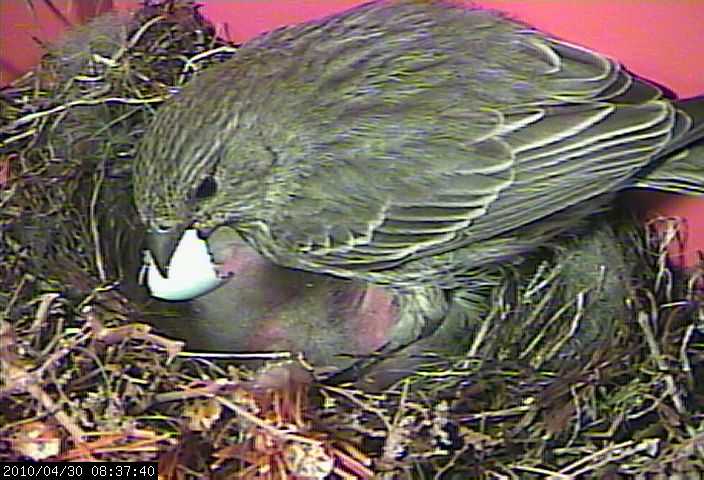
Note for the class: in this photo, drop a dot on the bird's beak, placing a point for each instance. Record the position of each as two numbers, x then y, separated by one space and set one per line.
162 246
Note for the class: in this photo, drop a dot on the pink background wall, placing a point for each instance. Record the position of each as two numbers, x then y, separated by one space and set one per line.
660 40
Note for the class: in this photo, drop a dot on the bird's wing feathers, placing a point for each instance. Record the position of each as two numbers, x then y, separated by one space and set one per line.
595 158
379 213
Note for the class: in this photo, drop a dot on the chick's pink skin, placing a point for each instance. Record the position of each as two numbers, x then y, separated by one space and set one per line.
365 316
263 308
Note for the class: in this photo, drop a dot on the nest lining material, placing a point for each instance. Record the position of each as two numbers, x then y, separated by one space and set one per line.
574 372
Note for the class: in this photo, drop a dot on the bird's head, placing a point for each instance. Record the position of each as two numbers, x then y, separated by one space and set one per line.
198 167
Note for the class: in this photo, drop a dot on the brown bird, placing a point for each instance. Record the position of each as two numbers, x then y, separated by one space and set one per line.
415 145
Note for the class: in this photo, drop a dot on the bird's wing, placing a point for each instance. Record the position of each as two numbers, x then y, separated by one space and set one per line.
342 217
681 170
398 182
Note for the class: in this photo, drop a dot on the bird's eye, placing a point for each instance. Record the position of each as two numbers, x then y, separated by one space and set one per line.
207 188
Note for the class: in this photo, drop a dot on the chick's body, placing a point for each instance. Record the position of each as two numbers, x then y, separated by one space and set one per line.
266 308
404 143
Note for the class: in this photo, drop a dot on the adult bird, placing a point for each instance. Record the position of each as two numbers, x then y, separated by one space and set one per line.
411 144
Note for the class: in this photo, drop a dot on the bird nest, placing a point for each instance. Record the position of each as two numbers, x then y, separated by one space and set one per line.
84 376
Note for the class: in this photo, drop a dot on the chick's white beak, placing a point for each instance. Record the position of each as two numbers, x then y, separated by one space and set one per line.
191 271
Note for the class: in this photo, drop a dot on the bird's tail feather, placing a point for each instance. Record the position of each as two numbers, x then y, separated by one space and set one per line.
681 168
694 109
